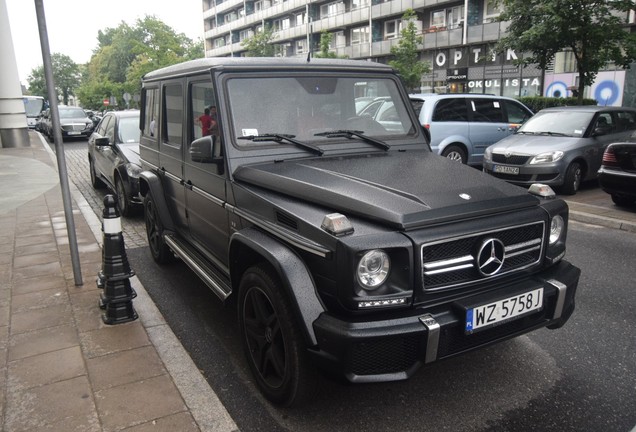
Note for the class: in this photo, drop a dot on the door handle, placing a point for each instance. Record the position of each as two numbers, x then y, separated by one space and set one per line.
188 185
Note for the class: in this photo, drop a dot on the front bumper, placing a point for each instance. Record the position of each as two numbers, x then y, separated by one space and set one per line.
393 349
551 174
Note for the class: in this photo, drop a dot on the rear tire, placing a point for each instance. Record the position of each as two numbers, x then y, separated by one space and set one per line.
273 344
159 250
123 201
455 153
573 178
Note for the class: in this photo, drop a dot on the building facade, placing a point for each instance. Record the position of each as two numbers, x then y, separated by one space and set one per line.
458 37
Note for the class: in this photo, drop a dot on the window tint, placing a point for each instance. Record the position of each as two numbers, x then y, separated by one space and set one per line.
151 111
487 111
110 131
516 112
101 130
172 125
605 120
205 123
626 120
450 110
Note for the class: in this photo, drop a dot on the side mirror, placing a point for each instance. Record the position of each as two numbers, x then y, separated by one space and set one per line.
102 142
602 130
206 149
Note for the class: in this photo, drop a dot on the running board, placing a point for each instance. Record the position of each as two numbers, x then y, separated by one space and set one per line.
198 265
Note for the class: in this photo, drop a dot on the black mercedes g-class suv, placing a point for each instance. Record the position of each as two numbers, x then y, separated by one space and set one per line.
345 241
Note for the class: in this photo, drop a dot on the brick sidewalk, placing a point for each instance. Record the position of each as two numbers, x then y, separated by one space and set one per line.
63 369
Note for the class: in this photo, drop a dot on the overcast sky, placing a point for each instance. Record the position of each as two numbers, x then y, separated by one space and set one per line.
72 25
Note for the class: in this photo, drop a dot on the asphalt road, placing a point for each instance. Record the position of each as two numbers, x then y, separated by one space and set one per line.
580 377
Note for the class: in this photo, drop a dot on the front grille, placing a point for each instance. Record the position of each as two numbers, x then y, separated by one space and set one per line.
74 127
454 262
510 160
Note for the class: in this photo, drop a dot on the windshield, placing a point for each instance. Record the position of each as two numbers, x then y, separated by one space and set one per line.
305 107
570 123
33 106
72 113
129 129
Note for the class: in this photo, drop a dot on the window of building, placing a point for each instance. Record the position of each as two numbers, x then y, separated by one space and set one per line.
392 29
455 16
331 9
300 19
218 43
301 46
564 62
359 35
438 18
492 8
339 40
357 4
246 34
229 17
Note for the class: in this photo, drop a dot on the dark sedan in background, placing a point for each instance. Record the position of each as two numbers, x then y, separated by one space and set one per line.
74 123
617 175
113 156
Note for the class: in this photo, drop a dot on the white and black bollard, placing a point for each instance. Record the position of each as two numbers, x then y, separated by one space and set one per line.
114 277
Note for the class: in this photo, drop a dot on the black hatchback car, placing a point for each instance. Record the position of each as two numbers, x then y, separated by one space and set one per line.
113 156
617 175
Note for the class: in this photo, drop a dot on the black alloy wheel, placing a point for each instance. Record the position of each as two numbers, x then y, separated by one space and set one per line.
273 344
159 250
573 178
122 197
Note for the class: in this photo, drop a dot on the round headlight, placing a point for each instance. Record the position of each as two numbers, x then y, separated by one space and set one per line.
556 228
373 269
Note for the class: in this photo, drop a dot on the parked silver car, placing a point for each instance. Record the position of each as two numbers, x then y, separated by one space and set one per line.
461 126
560 147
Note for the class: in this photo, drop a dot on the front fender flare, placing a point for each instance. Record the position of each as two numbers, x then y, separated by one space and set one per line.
150 183
293 273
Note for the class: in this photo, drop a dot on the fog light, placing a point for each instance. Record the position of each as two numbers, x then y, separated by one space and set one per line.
381 303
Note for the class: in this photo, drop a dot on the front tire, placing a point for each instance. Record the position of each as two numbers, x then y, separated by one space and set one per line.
159 250
573 178
273 344
122 197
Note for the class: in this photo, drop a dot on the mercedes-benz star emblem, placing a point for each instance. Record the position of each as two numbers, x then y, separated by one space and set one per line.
490 257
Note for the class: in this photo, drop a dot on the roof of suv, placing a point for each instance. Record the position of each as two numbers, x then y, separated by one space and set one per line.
264 63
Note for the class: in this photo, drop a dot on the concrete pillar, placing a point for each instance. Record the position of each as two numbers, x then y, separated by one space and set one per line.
13 122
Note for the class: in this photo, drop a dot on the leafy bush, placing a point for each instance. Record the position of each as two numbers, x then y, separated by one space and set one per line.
537 103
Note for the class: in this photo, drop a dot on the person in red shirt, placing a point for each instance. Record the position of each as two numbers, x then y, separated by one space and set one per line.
205 121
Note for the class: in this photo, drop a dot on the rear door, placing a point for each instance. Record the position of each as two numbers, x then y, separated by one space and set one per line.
172 148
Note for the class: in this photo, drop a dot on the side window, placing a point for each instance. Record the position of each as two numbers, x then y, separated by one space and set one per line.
205 123
110 130
516 112
605 122
101 130
487 111
453 109
626 120
172 121
151 111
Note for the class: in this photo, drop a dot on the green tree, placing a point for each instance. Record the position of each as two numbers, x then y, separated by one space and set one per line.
407 55
591 29
260 45
325 44
125 53
66 74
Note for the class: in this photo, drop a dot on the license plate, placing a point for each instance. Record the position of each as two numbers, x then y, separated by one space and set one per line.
74 132
503 169
503 310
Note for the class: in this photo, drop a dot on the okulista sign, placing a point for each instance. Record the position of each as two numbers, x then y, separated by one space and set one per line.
507 82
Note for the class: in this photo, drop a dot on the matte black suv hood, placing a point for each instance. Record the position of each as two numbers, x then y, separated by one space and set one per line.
403 189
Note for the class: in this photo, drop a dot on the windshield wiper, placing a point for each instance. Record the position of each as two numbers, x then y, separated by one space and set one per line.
348 133
525 132
276 137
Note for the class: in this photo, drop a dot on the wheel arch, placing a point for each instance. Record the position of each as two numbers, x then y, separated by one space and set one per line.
250 246
150 183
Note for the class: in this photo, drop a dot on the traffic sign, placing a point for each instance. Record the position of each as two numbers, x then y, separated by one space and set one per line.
106 102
